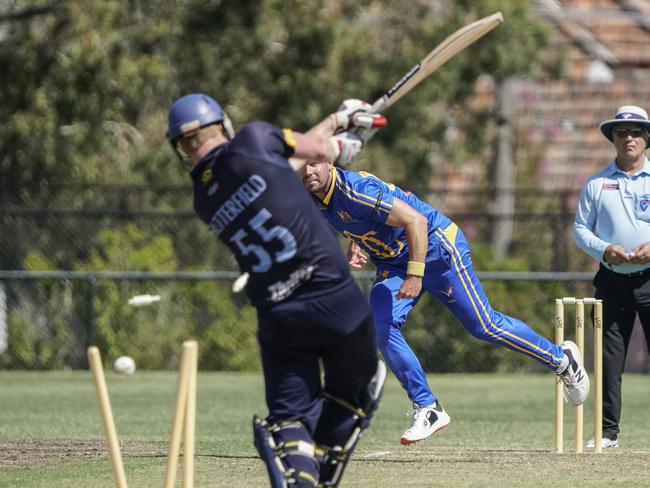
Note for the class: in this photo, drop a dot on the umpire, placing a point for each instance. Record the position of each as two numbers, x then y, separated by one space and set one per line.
612 224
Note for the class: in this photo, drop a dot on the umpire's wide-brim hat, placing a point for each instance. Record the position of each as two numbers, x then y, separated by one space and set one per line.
627 113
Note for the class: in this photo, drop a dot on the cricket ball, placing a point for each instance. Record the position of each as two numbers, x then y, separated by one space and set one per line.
124 365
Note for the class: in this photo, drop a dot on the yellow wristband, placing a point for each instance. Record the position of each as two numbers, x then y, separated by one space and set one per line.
414 268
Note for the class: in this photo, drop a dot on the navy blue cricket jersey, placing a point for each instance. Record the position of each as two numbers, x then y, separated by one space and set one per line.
251 199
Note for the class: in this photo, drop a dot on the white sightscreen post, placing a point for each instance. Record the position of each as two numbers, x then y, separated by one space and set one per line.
4 336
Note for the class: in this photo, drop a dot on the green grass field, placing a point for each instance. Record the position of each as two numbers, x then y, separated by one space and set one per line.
501 434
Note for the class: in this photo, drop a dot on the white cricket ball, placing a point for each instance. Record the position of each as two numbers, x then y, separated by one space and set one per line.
124 365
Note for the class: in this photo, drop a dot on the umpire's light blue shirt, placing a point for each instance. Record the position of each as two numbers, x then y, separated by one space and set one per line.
614 208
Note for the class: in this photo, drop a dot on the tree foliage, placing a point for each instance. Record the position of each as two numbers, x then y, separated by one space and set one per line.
88 83
86 89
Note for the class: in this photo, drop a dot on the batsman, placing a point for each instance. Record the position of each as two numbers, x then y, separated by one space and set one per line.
416 249
323 380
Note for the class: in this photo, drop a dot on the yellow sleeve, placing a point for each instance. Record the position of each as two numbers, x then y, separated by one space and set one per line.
288 138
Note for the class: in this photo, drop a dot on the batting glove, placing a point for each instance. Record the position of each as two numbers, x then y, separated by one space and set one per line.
346 145
355 113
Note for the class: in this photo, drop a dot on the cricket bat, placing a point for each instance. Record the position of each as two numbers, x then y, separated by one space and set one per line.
446 50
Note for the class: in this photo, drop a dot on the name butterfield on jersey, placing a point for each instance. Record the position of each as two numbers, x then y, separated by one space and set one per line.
246 194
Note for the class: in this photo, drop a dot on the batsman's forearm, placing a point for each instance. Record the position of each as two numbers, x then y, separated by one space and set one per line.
322 151
324 129
314 145
311 147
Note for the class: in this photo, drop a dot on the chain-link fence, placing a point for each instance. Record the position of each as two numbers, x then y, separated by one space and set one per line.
51 317
77 227
118 242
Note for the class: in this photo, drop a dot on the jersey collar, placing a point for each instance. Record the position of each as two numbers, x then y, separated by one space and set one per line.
613 168
330 191
646 167
200 166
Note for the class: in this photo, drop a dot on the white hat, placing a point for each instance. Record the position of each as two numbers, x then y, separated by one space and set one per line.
626 113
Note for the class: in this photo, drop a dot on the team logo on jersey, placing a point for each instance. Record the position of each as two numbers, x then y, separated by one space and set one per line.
344 216
644 202
384 275
206 177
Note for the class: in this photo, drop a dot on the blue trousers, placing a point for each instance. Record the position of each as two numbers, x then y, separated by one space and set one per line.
452 281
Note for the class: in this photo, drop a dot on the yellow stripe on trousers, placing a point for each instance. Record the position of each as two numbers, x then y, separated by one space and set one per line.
457 260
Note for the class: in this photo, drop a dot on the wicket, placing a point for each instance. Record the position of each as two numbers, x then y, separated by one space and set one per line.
95 361
183 424
184 419
598 371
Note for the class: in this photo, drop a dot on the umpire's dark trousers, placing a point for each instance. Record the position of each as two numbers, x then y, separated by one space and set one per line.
624 296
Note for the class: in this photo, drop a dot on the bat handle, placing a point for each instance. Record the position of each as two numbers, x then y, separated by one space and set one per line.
378 106
367 133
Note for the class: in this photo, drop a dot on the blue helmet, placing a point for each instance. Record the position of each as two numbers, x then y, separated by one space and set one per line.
194 111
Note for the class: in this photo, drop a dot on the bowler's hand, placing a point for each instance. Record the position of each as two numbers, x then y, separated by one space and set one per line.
411 287
615 254
640 255
356 257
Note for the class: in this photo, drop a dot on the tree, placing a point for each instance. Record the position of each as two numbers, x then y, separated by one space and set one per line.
88 84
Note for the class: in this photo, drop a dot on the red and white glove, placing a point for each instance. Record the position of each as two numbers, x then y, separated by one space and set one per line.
346 145
355 113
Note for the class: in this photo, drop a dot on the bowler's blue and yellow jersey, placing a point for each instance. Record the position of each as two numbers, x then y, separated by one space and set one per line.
358 204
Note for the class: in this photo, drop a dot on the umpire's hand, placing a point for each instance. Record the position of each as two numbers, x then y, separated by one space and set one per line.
615 254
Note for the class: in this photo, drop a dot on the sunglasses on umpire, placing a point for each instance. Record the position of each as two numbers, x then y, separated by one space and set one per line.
634 132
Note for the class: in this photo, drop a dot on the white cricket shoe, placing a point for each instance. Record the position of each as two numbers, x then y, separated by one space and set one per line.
574 377
425 421
605 443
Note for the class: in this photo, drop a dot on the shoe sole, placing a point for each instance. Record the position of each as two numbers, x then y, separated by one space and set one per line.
567 396
406 442
603 446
